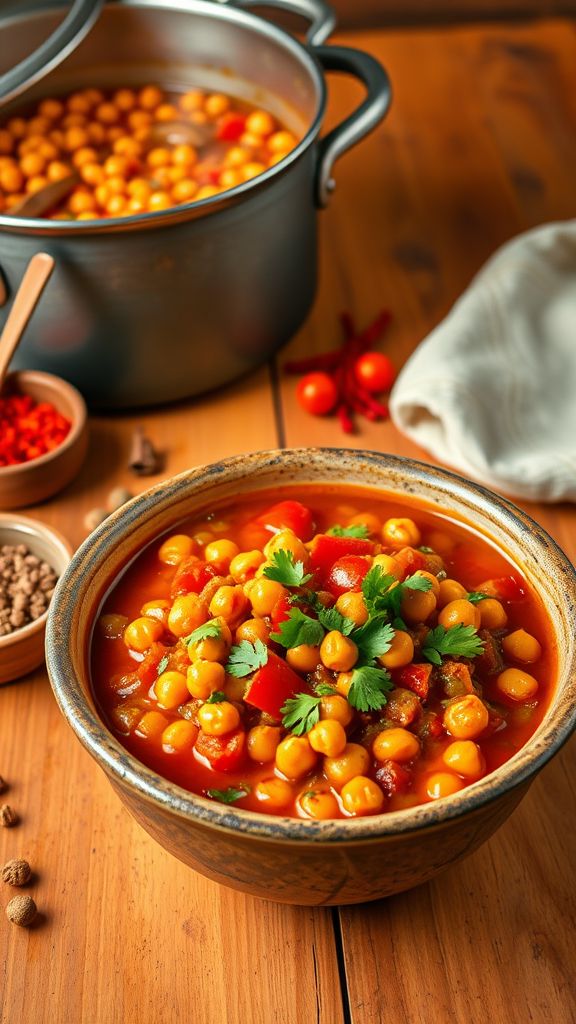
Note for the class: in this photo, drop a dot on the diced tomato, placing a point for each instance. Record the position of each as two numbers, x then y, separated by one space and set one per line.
191 576
347 574
416 678
225 753
410 561
328 550
288 515
430 726
231 127
393 777
148 668
505 588
273 684
280 612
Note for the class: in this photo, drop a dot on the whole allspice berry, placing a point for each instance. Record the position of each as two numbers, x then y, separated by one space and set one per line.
16 872
21 910
8 816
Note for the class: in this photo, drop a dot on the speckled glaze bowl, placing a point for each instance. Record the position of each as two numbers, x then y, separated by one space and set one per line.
287 859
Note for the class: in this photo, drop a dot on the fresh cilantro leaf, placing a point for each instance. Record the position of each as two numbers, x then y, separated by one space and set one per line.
375 584
210 630
417 582
298 629
368 688
162 665
217 697
300 713
475 596
458 641
324 690
332 619
245 658
373 639
383 593
359 530
285 570
228 796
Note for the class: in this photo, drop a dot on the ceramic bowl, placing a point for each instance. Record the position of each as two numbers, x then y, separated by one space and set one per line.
286 859
34 481
23 650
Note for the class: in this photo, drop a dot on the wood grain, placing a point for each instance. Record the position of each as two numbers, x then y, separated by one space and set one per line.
481 144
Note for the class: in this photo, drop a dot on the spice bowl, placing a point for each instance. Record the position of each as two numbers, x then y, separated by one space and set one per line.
30 482
291 859
23 650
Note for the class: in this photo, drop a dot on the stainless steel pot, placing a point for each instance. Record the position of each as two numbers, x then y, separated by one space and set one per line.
162 306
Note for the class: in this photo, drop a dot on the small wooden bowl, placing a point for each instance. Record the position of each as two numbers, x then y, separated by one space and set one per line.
23 650
34 481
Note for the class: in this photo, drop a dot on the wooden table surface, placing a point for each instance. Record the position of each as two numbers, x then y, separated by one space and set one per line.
481 144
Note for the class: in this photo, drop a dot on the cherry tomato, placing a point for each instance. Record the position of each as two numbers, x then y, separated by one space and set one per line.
347 574
317 393
375 372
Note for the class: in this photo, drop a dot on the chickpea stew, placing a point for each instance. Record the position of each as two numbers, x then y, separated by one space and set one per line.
120 166
331 655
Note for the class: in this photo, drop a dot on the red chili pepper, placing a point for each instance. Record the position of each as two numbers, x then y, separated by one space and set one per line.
273 684
290 515
29 429
327 550
224 753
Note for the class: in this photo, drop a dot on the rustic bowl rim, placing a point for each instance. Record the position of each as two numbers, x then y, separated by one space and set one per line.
128 772
57 544
79 419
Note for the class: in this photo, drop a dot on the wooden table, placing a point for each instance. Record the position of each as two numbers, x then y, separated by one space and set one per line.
480 145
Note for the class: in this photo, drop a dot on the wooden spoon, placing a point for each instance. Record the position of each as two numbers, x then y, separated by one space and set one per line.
37 204
31 287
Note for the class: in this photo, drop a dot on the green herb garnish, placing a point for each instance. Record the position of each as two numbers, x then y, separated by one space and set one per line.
368 688
373 639
332 619
162 665
211 630
286 571
228 796
217 697
301 713
245 658
475 596
298 629
458 641
359 530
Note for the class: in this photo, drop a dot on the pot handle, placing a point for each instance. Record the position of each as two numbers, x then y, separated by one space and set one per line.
70 32
316 11
369 114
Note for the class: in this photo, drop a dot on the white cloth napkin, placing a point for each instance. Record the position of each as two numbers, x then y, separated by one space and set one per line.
492 391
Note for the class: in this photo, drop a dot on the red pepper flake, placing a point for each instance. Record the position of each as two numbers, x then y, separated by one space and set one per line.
353 398
29 429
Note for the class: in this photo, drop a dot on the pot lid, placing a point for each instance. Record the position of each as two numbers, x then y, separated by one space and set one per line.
65 39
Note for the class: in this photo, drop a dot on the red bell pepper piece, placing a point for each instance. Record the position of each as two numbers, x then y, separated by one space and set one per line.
224 753
280 612
416 678
290 515
505 588
409 560
347 574
231 127
191 576
273 684
328 550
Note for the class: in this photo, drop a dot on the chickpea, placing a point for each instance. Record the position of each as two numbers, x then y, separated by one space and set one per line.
32 164
57 170
353 606
459 613
36 183
17 127
151 725
450 590
396 745
273 794
263 741
304 657
220 553
243 566
139 120
107 113
465 758
328 737
338 652
401 651
389 565
466 718
192 100
212 648
369 520
230 603
440 784
207 191
78 103
141 633
417 605
362 796
401 533
252 630
179 737
492 614
521 646
75 138
204 678
186 614
166 112
127 146
39 126
281 141
216 104
11 179
286 540
139 188
184 190
263 594
319 803
295 757
260 123
337 708
161 156
157 609
517 684
81 201
96 133
219 719
6 141
230 177
171 690
92 174
184 155
343 683
160 201
252 170
432 579
354 760
52 109
236 156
